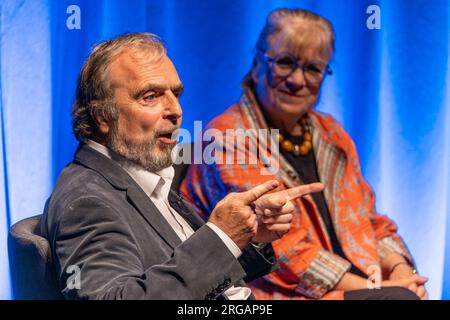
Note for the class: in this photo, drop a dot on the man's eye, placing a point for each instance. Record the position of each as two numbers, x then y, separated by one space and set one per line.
150 97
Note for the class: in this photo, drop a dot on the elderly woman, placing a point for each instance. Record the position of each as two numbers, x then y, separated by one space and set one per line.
339 247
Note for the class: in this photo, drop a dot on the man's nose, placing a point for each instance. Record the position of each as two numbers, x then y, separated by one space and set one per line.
173 110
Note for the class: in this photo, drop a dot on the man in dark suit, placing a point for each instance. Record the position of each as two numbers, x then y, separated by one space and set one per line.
115 228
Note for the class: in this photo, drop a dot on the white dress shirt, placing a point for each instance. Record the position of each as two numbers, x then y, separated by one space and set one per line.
157 186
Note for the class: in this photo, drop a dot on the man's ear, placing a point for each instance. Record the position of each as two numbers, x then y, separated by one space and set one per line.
102 124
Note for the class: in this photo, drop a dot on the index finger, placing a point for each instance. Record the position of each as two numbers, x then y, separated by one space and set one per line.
254 193
296 192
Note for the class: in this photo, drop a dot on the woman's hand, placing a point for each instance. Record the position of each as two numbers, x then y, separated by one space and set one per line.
404 271
415 283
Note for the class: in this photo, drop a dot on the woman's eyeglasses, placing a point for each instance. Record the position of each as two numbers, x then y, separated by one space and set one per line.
284 65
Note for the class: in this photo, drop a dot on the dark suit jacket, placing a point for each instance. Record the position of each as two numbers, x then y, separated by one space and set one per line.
100 222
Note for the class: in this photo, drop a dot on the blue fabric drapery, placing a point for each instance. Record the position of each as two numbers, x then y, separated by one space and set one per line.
390 89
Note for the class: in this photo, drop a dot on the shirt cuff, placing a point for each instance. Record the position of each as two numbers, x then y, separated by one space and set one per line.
323 274
226 239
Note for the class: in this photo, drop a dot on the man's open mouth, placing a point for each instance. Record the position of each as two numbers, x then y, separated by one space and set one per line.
168 137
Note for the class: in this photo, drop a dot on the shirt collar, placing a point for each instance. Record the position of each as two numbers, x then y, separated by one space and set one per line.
148 181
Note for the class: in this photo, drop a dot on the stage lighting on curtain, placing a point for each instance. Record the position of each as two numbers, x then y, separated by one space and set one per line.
389 89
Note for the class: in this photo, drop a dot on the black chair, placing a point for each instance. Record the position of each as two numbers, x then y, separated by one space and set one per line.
32 272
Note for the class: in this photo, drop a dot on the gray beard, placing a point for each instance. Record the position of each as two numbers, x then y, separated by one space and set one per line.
144 153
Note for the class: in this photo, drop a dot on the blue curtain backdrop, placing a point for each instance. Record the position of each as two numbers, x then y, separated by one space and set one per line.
390 89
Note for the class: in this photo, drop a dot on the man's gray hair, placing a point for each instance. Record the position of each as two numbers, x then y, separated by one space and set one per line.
94 96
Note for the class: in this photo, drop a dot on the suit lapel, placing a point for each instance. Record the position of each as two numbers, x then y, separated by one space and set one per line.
120 180
139 199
